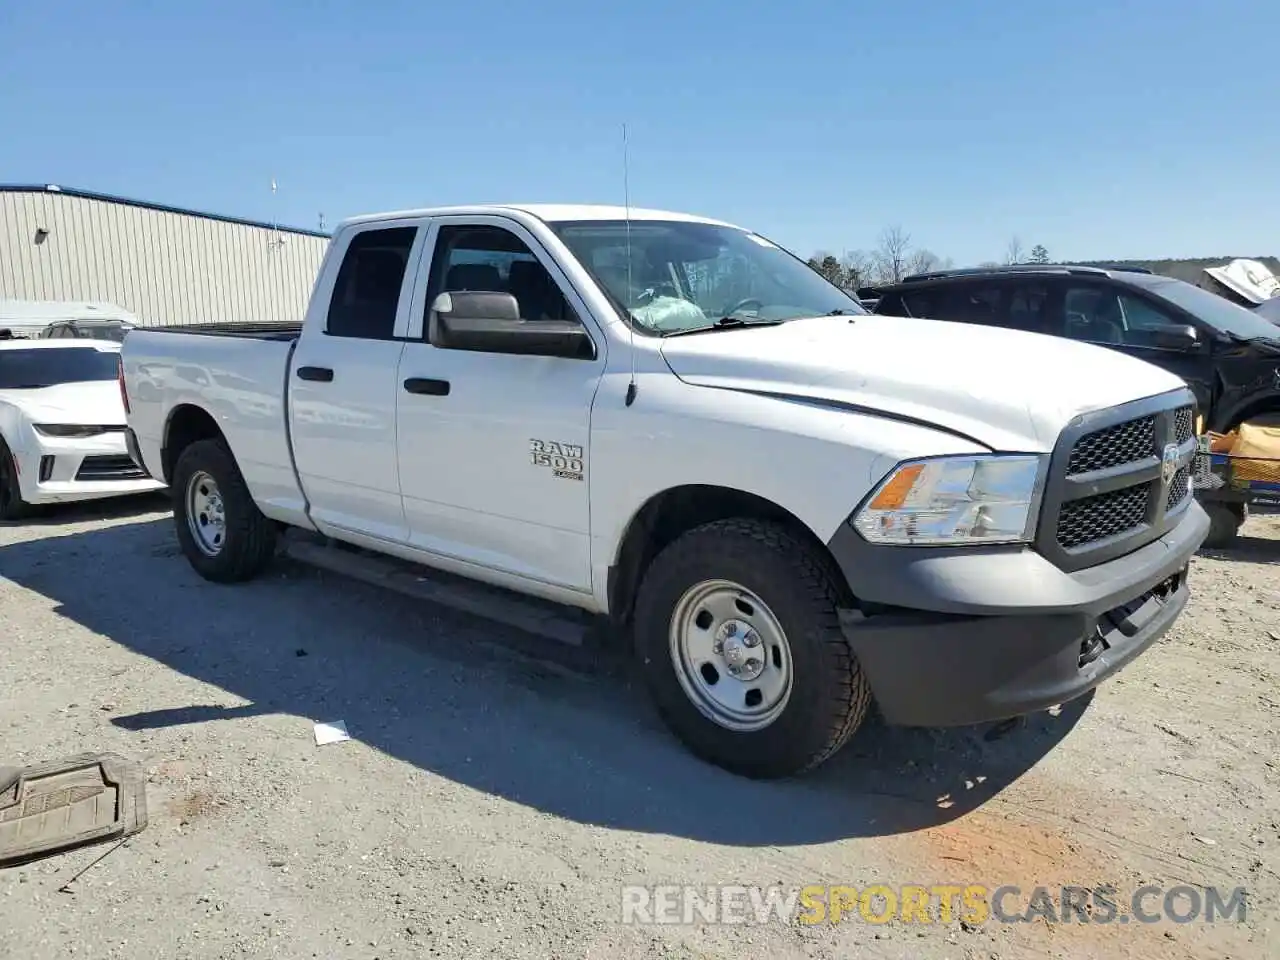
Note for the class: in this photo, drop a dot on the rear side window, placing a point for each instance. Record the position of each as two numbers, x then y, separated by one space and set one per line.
50 366
890 305
1028 308
921 303
973 304
367 291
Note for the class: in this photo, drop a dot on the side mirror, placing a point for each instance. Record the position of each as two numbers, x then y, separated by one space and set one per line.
490 323
1176 336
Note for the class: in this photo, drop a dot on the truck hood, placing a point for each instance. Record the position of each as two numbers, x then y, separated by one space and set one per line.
91 402
1006 389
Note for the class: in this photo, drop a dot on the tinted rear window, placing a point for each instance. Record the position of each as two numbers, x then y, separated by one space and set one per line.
32 369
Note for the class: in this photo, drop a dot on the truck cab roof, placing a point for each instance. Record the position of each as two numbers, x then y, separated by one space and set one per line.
547 212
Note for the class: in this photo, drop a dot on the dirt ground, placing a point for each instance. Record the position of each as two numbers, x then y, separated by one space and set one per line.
499 793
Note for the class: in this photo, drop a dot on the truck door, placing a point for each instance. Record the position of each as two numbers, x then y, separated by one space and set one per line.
342 384
494 448
1125 320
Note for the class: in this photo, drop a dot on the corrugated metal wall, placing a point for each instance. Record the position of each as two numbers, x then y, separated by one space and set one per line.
162 266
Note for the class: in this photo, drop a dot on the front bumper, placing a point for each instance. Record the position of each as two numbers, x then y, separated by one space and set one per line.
963 636
65 469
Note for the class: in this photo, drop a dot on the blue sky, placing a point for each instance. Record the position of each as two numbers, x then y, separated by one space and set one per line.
1100 128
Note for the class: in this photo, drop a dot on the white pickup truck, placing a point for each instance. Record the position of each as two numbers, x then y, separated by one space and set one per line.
792 508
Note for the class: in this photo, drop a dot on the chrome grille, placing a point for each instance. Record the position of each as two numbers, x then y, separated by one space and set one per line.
1110 488
1101 516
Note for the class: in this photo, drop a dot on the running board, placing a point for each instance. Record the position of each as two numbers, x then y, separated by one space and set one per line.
539 617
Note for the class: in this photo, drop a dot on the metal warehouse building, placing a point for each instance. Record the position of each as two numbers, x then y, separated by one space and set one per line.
163 264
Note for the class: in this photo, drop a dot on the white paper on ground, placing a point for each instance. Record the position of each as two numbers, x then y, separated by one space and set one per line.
333 732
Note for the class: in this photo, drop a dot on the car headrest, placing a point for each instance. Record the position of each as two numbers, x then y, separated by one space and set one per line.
379 275
473 276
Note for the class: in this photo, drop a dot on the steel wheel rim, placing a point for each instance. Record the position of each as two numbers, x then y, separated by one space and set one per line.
206 516
725 643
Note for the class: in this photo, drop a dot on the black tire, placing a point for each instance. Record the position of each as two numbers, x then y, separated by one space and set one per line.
829 694
249 537
1225 521
12 506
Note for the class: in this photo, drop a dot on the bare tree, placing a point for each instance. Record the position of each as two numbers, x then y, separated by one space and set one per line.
891 254
859 267
1014 253
924 261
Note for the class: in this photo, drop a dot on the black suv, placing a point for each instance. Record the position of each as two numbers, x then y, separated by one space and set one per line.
1228 355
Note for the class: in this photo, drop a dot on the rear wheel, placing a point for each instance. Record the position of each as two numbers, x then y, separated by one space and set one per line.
222 532
12 506
740 645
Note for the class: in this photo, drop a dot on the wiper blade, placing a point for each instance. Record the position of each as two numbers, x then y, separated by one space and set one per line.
726 323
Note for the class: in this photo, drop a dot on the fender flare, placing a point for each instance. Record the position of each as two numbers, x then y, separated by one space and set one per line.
1266 401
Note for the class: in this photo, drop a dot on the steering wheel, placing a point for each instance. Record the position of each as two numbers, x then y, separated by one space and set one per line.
745 302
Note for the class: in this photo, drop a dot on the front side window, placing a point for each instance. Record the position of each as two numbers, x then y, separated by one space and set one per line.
51 366
1092 314
672 276
366 293
1107 315
488 259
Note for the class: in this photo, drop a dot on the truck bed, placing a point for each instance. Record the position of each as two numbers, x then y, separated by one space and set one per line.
234 373
279 330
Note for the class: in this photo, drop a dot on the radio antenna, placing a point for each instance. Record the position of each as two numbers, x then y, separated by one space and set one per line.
631 323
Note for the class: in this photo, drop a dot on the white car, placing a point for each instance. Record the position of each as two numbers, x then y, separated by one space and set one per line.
62 425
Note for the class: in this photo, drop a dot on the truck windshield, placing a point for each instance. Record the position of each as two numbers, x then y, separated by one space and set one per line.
1217 312
688 275
1269 310
35 368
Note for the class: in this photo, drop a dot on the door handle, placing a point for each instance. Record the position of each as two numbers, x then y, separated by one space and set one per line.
320 374
425 385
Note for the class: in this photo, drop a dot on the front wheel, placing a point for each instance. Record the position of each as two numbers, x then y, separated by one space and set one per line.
222 532
12 506
740 646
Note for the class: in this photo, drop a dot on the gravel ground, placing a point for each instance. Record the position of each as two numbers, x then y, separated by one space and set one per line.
497 793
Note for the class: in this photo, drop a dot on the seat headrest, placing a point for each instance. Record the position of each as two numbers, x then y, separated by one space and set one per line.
527 273
378 275
473 276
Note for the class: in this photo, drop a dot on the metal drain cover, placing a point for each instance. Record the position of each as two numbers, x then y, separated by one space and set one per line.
52 807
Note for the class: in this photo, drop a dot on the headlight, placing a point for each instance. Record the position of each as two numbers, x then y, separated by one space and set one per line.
954 501
68 429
